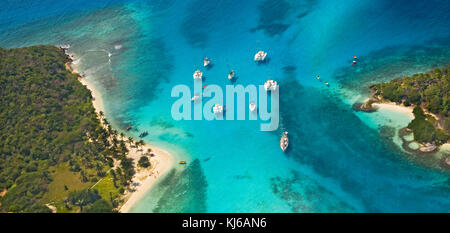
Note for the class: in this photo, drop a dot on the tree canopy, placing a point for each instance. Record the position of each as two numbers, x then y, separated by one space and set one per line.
430 91
47 119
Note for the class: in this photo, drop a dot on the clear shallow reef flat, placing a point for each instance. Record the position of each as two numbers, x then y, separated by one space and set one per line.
338 160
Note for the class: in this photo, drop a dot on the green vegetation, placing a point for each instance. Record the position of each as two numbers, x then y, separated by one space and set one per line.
429 91
144 162
108 189
52 143
100 206
424 130
83 197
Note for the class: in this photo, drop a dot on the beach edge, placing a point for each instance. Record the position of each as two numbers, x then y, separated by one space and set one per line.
163 160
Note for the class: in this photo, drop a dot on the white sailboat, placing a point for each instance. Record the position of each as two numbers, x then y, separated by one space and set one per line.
206 61
231 75
195 98
284 141
252 106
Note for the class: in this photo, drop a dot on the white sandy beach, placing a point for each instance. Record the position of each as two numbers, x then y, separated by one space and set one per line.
395 107
144 179
445 148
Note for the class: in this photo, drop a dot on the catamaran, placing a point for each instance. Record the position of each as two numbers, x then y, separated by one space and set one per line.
218 109
270 85
260 56
198 75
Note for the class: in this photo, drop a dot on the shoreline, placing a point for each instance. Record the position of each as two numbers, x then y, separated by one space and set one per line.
395 107
422 148
144 179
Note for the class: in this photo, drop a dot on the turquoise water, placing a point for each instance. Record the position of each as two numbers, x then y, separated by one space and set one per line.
136 51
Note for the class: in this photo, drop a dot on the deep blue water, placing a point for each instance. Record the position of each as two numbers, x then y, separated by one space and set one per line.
336 162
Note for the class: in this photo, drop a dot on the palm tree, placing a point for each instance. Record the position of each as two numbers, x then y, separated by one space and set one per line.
141 142
130 140
114 133
137 144
115 141
101 114
122 135
105 121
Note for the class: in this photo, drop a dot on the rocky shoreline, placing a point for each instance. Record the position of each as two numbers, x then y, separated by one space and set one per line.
410 145
428 149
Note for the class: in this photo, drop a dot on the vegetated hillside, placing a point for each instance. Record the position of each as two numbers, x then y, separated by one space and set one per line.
430 91
48 127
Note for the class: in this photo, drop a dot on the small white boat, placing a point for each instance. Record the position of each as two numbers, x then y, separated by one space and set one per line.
284 141
270 85
231 75
260 56
198 75
252 106
195 98
218 109
206 61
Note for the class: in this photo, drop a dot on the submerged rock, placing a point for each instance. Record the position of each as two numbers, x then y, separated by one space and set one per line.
414 145
447 161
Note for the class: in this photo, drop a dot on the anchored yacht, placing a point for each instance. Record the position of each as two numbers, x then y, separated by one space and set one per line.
198 75
206 61
270 85
231 75
284 141
252 106
195 98
218 109
260 56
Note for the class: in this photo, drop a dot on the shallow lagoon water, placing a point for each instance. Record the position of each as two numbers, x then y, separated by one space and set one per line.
338 161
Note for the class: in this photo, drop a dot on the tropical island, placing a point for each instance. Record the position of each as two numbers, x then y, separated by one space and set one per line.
429 96
57 153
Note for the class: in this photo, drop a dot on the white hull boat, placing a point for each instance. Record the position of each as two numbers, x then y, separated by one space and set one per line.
197 75
260 56
252 106
284 141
